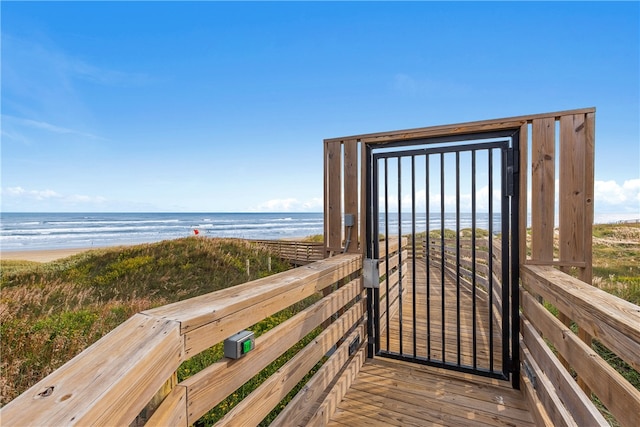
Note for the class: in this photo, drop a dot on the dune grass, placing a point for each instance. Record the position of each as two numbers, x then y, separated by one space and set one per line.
49 312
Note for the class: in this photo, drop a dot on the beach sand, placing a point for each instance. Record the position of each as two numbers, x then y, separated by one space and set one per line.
41 255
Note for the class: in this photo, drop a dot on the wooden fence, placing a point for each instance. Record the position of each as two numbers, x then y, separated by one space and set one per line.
132 370
297 253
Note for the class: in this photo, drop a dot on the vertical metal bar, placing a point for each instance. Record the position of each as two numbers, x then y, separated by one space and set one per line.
413 250
490 173
400 252
473 260
504 233
458 254
373 322
428 255
442 261
386 239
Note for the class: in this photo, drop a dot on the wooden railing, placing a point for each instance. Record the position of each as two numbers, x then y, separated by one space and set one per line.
296 252
462 263
392 273
112 381
547 382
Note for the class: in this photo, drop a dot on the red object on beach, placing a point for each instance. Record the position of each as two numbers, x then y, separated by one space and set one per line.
195 231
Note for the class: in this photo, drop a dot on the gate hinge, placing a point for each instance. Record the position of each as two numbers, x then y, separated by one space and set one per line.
511 170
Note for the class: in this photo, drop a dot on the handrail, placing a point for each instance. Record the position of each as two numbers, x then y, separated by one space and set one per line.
612 320
112 381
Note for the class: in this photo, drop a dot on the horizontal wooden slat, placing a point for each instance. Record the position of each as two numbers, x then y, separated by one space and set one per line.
205 309
616 393
546 392
253 408
577 403
210 386
92 389
613 321
306 402
328 406
457 129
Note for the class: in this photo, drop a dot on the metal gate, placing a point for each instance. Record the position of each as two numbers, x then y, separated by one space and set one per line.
442 252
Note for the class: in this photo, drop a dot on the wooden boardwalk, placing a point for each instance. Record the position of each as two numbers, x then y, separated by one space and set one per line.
397 393
388 392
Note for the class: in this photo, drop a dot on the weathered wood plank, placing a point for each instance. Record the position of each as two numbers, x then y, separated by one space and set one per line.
211 385
201 310
613 321
457 129
572 188
332 194
578 404
524 189
617 394
546 391
172 411
538 412
542 188
92 389
351 192
307 401
253 408
405 394
329 405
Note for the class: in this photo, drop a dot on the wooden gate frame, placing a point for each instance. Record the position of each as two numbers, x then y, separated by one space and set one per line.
561 146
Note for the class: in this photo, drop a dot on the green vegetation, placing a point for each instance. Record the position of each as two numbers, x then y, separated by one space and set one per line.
50 312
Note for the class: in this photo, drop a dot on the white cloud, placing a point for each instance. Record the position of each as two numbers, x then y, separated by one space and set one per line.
291 205
20 199
613 197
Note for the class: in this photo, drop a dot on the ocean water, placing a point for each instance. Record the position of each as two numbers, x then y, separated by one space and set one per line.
37 231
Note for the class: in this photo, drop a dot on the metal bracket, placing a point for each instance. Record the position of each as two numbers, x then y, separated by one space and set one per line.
528 371
370 273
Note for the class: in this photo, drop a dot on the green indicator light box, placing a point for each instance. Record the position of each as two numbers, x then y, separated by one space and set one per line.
239 344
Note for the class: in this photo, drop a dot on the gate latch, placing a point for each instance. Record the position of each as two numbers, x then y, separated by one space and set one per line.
370 273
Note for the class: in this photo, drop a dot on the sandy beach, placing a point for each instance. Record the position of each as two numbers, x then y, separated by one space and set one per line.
41 255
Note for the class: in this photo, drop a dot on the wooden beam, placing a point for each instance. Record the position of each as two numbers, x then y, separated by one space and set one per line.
210 386
351 191
457 129
253 408
332 194
329 405
91 389
577 403
307 401
613 321
542 188
616 393
524 174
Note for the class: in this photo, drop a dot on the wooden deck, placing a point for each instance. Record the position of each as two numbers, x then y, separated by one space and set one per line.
456 326
396 393
393 393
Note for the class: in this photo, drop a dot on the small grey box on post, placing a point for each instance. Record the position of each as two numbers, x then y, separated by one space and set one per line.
371 274
239 344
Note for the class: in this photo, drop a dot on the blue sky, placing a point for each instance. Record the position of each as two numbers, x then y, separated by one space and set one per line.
212 106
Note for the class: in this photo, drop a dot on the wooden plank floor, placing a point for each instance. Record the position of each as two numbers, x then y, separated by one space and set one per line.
457 321
395 393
